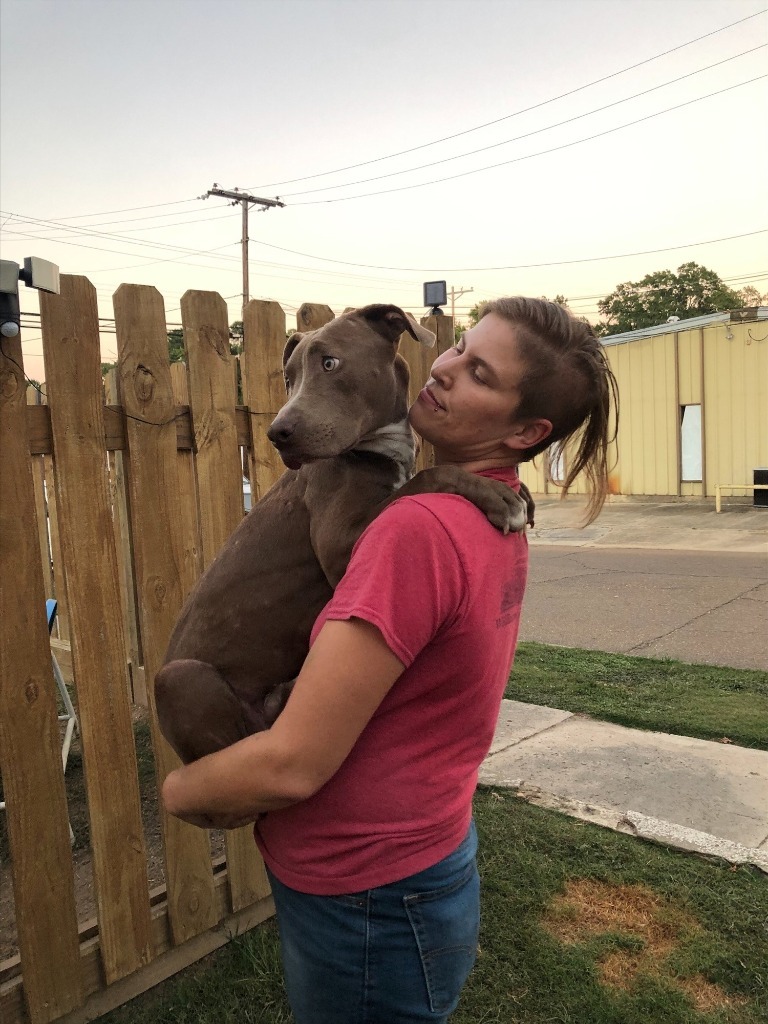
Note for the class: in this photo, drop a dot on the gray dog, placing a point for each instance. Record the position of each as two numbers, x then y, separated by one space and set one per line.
243 633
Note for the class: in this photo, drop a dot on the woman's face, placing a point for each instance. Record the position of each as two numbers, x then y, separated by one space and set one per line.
466 410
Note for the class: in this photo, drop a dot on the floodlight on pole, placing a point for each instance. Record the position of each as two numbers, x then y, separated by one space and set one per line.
435 295
36 273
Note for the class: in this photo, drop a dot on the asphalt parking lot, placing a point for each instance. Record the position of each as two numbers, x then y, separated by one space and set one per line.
663 579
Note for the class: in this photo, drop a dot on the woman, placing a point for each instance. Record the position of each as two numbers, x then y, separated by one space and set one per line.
368 773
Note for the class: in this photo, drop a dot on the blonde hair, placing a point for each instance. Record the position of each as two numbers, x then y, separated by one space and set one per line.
568 381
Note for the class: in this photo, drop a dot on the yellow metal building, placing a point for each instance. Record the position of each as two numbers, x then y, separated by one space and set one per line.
693 408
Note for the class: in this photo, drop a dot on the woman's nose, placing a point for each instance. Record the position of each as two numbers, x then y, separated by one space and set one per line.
440 369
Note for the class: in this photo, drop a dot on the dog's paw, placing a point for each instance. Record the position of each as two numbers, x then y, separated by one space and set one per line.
507 510
504 508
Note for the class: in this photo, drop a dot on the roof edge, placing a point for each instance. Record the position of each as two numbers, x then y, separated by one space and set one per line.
675 326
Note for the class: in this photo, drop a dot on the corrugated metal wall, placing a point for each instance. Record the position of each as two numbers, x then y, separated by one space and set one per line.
722 367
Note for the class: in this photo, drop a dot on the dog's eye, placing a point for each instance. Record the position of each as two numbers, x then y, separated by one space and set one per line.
330 363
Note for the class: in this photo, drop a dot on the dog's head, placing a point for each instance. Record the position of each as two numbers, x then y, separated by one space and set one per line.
344 380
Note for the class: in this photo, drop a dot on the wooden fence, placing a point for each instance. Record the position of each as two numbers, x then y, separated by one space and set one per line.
115 507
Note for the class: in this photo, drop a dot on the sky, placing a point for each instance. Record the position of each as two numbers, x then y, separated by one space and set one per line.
550 120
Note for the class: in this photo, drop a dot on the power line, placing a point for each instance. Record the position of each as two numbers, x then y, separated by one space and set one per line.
517 113
521 266
370 282
127 209
84 229
530 156
527 135
214 253
119 252
371 266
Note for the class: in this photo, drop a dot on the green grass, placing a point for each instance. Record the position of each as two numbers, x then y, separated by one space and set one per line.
716 913
704 701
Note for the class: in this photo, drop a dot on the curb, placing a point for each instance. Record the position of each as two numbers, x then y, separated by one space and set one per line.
655 830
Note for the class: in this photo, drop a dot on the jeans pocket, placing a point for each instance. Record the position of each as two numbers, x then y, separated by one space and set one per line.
446 924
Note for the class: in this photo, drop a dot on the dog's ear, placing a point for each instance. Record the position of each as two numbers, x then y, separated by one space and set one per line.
290 345
424 336
391 322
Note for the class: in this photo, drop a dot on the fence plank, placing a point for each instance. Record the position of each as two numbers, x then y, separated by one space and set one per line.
120 518
311 315
145 385
72 362
220 497
263 387
168 960
30 746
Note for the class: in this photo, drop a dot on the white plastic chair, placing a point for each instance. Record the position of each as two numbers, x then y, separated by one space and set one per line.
69 715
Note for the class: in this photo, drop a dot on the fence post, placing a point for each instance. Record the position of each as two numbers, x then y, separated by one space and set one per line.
73 373
155 508
263 387
30 746
220 496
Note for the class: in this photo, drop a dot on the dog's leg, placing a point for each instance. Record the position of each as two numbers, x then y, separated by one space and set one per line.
198 712
505 508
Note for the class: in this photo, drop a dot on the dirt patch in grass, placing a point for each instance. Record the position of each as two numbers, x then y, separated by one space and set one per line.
644 931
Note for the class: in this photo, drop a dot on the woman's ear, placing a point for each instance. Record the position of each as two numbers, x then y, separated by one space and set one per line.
526 435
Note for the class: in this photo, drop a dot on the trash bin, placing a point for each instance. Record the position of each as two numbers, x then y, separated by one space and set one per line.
760 476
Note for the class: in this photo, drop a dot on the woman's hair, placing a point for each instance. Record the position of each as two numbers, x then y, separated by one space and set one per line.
567 380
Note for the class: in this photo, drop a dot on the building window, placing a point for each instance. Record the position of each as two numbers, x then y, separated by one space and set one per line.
690 443
556 463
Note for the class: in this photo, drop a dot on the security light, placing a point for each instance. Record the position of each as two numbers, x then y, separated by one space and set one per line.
37 273
435 295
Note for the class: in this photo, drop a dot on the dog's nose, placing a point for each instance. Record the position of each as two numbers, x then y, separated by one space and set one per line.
280 433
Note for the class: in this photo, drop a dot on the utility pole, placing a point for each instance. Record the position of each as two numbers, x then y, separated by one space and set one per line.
456 294
245 201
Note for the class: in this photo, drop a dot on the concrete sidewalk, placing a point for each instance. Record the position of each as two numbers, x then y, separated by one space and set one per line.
695 588
692 794
674 524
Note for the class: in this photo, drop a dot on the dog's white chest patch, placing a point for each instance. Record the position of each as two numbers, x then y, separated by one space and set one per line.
395 442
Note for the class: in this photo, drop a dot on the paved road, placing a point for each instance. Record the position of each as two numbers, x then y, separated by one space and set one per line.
693 605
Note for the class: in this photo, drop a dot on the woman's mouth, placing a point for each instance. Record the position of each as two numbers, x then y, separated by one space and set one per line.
426 396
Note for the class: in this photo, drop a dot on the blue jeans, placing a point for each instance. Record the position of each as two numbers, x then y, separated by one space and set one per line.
392 955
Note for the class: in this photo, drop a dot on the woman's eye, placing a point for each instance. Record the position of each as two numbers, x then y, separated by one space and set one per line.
330 363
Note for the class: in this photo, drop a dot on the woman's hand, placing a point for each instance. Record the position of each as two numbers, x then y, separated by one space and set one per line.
347 674
226 821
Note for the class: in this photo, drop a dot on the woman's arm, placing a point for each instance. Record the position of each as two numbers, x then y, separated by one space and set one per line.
347 674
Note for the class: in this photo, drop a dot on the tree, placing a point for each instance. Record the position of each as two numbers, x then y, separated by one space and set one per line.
176 345
750 296
236 337
692 291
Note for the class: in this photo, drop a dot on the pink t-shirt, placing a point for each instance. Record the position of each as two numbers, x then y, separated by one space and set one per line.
445 588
